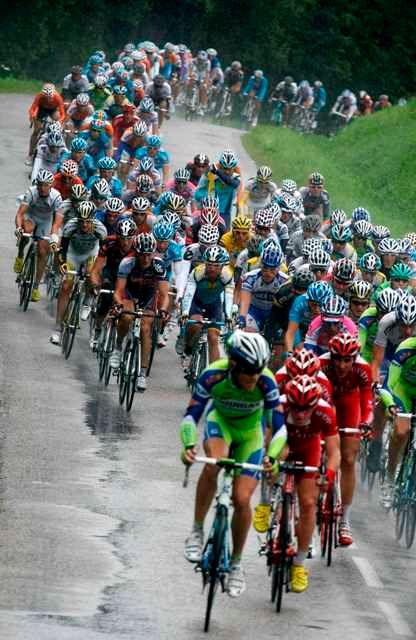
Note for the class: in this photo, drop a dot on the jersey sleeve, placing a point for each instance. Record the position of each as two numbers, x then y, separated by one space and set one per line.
125 267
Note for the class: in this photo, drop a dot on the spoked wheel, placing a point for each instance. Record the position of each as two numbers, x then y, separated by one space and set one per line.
274 552
218 543
105 349
155 335
401 514
328 528
26 280
70 325
132 371
282 566
410 528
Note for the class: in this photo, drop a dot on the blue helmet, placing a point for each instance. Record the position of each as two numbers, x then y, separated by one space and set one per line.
163 230
154 141
95 59
107 163
319 291
78 145
272 255
359 213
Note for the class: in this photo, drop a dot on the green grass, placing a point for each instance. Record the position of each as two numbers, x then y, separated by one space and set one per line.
15 85
371 163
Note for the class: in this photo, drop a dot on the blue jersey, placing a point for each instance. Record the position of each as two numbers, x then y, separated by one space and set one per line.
172 254
258 86
85 168
97 147
161 158
115 185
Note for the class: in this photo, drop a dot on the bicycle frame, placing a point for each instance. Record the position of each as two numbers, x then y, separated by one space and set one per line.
25 280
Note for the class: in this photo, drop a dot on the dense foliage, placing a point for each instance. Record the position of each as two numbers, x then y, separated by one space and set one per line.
356 44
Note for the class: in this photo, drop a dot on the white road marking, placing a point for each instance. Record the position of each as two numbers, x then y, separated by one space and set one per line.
395 619
368 573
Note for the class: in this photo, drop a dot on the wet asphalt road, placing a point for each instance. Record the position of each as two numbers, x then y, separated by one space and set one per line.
92 509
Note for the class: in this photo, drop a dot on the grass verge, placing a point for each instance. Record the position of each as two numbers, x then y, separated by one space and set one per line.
15 85
371 163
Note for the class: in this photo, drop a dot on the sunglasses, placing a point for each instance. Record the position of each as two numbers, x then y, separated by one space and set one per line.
342 358
360 303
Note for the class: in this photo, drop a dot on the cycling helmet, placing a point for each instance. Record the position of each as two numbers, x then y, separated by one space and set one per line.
154 141
236 65
241 223
254 246
117 65
56 140
82 99
107 163
388 246
228 160
182 175
380 232
119 90
163 230
369 262
210 215
211 52
78 145
146 105
100 190
201 160
44 177
359 213
176 202
406 310
264 174
274 208
86 210
316 179
303 392
338 216
400 271
128 62
140 129
289 186
388 299
144 183
287 203
126 228
258 73
158 81
69 168
333 308
115 205
129 47
360 290
319 259
248 350
341 233
264 218
48 90
309 245
172 218
54 127
97 125
412 238
100 81
140 205
405 246
344 345
76 69
216 255
169 47
326 245
79 192
144 243
202 55
95 59
303 362
146 164
362 229
302 279
271 256
311 223
344 270
208 234
319 291
210 201
100 114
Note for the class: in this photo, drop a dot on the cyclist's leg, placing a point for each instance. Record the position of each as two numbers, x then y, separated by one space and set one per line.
124 323
403 395
37 125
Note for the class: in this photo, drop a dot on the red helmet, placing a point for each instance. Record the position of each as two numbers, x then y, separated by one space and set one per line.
303 392
210 215
303 362
344 345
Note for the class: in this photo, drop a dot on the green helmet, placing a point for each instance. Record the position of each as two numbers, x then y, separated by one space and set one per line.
400 271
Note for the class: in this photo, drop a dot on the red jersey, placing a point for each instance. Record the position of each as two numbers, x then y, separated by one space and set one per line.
50 104
282 378
352 394
120 124
64 188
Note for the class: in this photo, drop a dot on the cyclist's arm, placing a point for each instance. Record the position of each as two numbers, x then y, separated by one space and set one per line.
163 290
57 222
362 335
23 208
188 294
290 335
245 301
97 269
366 397
393 378
378 356
333 453
120 289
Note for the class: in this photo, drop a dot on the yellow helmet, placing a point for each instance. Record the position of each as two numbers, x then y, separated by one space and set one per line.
241 222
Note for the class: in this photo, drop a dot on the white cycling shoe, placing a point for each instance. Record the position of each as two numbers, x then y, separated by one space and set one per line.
115 359
56 338
141 384
236 583
194 545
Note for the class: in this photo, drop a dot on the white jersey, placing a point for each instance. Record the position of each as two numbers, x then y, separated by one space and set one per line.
43 209
262 293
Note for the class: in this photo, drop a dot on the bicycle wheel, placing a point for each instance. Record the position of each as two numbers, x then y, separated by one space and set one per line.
363 461
26 279
202 363
410 528
218 545
132 372
274 550
283 564
105 348
155 335
401 515
122 375
108 350
70 325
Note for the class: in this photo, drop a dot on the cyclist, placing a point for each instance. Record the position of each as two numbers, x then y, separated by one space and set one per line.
66 177
48 154
256 88
113 210
361 234
197 167
365 103
206 215
100 193
388 250
221 180
258 289
208 294
400 277
160 92
319 97
41 212
104 271
345 107
337 217
309 419
315 199
289 208
79 193
199 72
146 112
310 231
300 363
141 281
78 111
78 153
47 103
350 376
141 212
182 185
341 237
132 141
125 121
369 270
283 95
386 301
99 143
94 67
113 106
236 239
304 98
144 189
79 246
303 310
332 320
241 391
343 274
359 295
383 102
99 93
73 84
302 263
259 191
106 167
160 156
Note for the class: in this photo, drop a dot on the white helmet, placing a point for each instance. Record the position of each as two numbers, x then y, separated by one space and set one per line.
208 234
249 350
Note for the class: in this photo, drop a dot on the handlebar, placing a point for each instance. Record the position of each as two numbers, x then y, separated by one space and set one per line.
349 430
35 237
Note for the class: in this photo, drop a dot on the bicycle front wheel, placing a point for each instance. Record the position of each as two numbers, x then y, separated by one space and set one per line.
26 279
71 320
132 372
218 546
282 566
155 335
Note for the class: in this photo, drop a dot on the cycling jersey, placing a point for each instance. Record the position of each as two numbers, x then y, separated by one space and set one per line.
196 225
282 378
223 186
154 174
141 284
285 91
159 94
86 166
97 147
347 251
400 384
42 209
45 159
43 106
80 244
98 96
259 194
64 187
207 292
121 125
78 114
115 184
233 78
160 159
233 247
258 87
262 293
173 253
111 227
301 314
187 193
317 338
389 334
367 330
315 204
110 249
71 88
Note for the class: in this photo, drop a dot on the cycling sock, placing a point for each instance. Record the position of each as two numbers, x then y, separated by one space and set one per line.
143 371
346 513
198 527
300 558
235 560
